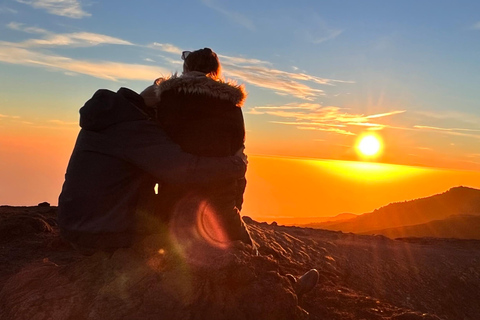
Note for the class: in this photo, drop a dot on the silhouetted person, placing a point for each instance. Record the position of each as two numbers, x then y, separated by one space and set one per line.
202 113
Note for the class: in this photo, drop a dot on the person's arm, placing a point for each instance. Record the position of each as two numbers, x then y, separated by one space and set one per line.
146 145
238 142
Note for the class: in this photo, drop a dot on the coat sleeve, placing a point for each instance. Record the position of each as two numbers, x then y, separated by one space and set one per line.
237 142
145 145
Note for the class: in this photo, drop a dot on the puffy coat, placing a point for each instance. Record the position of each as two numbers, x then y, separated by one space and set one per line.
204 117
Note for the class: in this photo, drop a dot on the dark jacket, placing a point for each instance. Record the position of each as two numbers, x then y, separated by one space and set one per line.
119 155
204 117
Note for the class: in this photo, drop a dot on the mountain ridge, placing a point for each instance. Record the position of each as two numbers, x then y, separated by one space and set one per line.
455 201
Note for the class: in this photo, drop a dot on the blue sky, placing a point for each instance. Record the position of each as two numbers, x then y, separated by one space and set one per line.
319 73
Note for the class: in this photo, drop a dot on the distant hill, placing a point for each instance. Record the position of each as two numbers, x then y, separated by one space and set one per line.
456 201
314 220
456 226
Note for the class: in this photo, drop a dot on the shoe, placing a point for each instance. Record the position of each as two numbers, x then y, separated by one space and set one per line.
305 283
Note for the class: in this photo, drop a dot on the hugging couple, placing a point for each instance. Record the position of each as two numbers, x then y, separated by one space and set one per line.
183 136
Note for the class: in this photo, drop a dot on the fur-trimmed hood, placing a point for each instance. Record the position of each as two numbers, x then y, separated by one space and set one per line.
198 83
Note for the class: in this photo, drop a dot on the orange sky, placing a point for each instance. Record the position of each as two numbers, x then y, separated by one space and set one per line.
32 168
288 187
410 78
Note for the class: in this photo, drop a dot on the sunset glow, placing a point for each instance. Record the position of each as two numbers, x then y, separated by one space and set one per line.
341 131
281 188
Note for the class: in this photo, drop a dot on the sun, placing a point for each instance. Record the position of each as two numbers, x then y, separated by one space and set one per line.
369 145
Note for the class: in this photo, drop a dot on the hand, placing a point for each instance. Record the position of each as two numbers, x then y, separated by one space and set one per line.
241 154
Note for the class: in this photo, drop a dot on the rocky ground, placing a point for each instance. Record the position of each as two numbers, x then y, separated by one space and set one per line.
361 277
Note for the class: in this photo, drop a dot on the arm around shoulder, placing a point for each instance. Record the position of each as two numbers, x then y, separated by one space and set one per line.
147 146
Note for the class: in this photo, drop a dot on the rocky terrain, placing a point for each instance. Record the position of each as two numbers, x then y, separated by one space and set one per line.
361 277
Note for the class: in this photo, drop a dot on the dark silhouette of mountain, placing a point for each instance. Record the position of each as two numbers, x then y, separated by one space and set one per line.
458 200
457 226
307 221
361 277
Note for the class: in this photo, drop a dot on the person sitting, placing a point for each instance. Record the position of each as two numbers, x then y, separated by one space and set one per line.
202 113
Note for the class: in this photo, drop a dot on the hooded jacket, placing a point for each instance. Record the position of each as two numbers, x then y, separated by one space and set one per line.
204 117
119 155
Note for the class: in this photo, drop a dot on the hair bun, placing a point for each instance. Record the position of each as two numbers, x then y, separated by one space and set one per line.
203 60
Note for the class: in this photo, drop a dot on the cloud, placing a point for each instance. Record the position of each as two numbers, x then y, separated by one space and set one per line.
334 130
381 115
77 39
476 26
231 15
21 27
279 83
241 60
473 133
446 129
453 123
4 116
466 118
261 74
424 148
329 34
252 71
166 47
310 27
311 116
66 8
99 69
50 39
5 9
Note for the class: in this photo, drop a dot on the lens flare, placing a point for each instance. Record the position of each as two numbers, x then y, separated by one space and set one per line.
198 233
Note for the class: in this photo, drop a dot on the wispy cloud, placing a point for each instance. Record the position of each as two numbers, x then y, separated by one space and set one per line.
231 15
76 39
310 26
166 47
25 53
450 122
5 116
100 69
241 60
66 8
281 83
447 129
476 26
329 34
21 27
473 133
261 74
311 116
5 9
251 71
380 115
451 115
